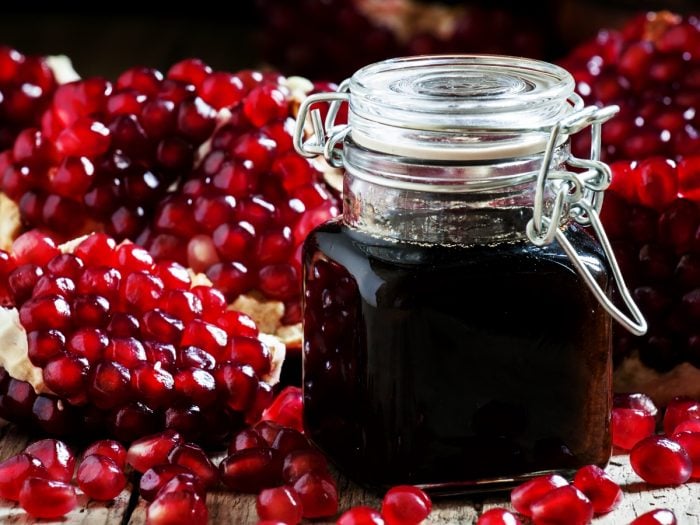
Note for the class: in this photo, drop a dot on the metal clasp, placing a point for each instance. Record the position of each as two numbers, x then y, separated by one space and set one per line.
582 195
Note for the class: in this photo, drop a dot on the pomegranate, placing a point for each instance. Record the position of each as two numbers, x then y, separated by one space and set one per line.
525 495
114 349
279 503
13 472
182 507
656 517
603 493
360 516
405 505
661 461
46 498
498 517
100 477
562 506
156 477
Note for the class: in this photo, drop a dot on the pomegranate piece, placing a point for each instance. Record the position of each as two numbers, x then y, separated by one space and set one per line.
156 477
55 456
279 503
13 472
656 517
268 430
286 409
599 488
629 426
100 477
194 458
498 517
637 401
152 450
181 482
404 505
563 505
300 462
319 496
251 470
246 438
690 441
523 496
679 410
184 507
661 461
289 440
44 498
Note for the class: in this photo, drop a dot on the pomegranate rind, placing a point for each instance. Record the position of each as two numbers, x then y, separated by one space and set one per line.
10 222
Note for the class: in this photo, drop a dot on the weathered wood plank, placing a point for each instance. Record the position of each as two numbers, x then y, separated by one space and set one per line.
228 508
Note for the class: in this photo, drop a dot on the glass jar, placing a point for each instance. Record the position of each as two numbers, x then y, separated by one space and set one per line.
456 318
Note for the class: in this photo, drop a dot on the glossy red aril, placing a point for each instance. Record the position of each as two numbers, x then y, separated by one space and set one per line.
360 516
152 450
246 438
498 517
318 495
44 498
286 409
405 505
194 458
300 462
599 488
13 472
629 426
690 441
661 461
156 477
279 503
55 456
251 470
636 401
562 506
100 477
679 410
656 517
184 507
523 496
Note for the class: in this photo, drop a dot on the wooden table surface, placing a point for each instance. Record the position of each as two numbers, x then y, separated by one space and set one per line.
229 508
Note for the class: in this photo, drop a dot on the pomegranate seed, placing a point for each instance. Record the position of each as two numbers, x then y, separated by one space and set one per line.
629 426
661 461
565 505
35 248
55 456
156 477
300 462
498 517
279 503
152 450
523 496
182 482
110 449
100 477
319 497
286 409
194 458
44 345
656 517
184 507
360 516
690 441
237 383
680 410
637 401
246 438
109 384
13 472
251 351
599 488
404 505
290 440
251 470
43 498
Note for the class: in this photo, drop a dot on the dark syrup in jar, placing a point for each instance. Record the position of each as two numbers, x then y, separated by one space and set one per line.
439 365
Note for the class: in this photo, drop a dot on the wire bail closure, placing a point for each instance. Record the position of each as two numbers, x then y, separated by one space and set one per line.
579 196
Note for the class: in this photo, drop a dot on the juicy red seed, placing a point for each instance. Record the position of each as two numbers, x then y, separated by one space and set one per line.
55 456
45 313
65 375
206 336
196 385
54 286
181 304
154 385
44 345
90 310
194 458
96 249
89 343
264 104
523 496
128 352
13 472
35 248
563 505
656 517
177 507
246 438
251 351
629 426
286 409
222 89
123 325
268 430
690 441
152 450
599 488
213 301
191 70
161 326
279 503
100 477
100 280
680 409
251 470
85 137
110 449
237 385
156 477
132 420
42 498
238 323
142 290
319 499
496 517
661 461
300 462
289 440
66 265
109 384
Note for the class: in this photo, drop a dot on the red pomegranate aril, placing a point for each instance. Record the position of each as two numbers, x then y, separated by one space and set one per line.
197 385
246 438
289 440
100 477
319 499
96 249
44 345
191 71
237 384
142 290
161 326
680 409
360 516
62 286
21 281
85 137
268 430
19 399
661 461
152 450
629 426
181 304
90 310
16 469
156 477
194 458
66 265
690 441
45 313
128 352
300 462
599 488
154 385
251 470
251 351
43 498
264 104
182 482
89 343
184 507
132 420
523 496
286 409
100 280
34 247
109 384
65 375
562 506
108 448
498 517
206 336
656 517
279 503
55 456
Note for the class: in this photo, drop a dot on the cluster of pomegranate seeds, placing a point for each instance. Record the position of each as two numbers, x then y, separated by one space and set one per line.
243 213
651 69
129 345
652 216
26 85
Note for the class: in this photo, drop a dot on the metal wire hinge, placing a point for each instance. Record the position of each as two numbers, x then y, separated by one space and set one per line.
580 197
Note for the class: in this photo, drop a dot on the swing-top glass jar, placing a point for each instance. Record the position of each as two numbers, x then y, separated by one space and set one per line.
456 317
